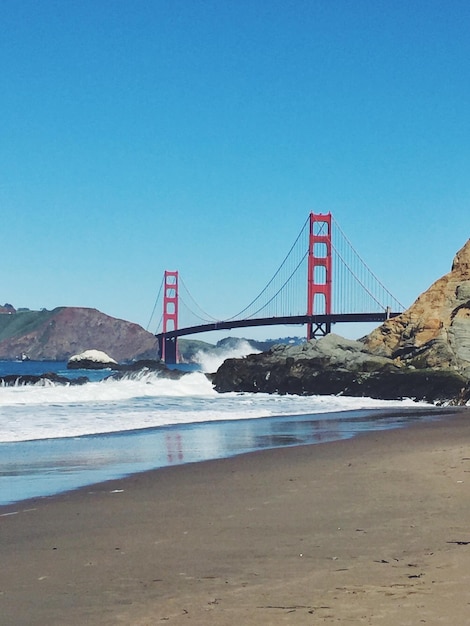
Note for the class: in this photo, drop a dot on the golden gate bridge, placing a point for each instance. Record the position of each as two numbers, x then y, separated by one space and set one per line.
321 281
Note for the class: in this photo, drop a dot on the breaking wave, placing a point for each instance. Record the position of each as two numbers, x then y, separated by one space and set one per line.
146 400
210 362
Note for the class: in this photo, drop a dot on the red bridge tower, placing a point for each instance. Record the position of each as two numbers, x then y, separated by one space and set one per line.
169 349
319 273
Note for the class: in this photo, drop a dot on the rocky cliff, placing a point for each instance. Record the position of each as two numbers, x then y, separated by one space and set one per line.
65 331
424 353
435 331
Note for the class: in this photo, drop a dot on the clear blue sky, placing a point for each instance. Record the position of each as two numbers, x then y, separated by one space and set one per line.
144 135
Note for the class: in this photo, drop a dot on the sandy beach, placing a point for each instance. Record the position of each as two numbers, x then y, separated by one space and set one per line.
372 530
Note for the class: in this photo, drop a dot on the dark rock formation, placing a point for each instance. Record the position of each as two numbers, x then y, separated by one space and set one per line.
333 365
19 380
89 364
136 369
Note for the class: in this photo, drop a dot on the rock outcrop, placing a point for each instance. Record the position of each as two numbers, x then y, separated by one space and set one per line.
423 354
141 368
41 380
435 331
91 360
130 371
333 365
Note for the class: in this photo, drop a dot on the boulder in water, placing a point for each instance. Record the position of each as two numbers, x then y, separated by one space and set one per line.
44 380
92 360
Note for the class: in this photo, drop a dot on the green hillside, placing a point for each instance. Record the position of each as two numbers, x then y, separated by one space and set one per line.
23 322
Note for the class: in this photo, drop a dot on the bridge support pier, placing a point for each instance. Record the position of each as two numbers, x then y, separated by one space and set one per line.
318 329
168 349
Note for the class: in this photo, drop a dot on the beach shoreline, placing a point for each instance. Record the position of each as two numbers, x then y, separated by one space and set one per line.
372 529
48 466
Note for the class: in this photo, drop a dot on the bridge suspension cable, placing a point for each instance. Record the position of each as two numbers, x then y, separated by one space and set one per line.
157 301
356 289
271 281
350 271
207 318
281 288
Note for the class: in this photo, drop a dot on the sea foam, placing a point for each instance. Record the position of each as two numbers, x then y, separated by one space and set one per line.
147 401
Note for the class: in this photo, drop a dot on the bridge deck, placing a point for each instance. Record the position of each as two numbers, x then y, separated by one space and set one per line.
279 321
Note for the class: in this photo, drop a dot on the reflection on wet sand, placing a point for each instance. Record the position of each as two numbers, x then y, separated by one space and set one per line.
44 467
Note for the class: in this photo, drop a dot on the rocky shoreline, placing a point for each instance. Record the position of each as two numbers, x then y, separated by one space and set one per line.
119 371
424 354
337 366
48 378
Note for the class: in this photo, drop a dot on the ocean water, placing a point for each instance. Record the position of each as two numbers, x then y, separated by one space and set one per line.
55 438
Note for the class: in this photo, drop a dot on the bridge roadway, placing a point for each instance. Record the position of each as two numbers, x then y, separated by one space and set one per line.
316 320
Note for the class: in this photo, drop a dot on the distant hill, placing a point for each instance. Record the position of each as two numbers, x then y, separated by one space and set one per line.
190 349
65 331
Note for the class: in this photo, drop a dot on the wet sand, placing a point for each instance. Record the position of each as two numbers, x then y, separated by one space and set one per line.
373 530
